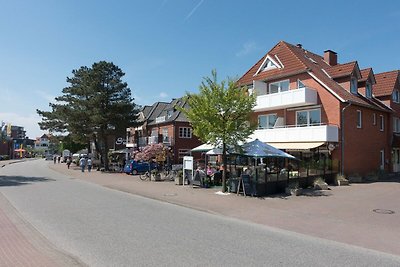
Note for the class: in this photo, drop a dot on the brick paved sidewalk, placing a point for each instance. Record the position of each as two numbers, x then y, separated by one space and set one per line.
22 245
343 214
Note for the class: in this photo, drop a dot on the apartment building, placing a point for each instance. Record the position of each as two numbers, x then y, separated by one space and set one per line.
164 123
387 89
318 109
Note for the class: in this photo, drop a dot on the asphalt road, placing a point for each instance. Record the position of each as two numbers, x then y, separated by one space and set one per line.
104 227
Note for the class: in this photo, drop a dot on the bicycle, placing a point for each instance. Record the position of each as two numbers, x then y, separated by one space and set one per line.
144 176
170 174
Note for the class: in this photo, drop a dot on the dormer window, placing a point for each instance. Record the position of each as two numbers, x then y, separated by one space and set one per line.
368 90
169 113
353 86
396 96
269 65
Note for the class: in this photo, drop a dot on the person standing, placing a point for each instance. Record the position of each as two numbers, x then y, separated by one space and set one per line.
82 163
89 164
68 162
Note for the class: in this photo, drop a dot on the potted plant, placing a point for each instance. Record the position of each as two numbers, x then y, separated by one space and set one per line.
155 174
179 178
319 184
293 189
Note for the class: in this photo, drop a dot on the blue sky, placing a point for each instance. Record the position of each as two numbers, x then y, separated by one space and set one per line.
166 47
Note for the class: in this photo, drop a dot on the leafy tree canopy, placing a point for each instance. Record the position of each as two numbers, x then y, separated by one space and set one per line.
95 105
220 114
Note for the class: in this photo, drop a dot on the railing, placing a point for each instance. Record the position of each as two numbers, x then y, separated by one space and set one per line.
320 132
292 98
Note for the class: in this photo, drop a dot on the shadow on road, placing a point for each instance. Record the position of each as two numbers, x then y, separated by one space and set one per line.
21 180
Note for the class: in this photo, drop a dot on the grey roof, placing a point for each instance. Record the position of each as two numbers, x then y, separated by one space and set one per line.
170 109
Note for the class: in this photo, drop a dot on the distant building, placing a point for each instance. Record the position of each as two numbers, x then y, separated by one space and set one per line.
42 143
14 143
164 123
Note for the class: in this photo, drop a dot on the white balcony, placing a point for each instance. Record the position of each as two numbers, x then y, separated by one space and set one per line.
287 99
320 133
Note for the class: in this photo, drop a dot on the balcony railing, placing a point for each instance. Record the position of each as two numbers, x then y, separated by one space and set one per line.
287 99
144 141
316 133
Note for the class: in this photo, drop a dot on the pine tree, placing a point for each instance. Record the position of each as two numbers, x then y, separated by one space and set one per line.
96 105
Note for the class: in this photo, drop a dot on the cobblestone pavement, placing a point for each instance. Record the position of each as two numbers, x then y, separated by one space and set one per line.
21 245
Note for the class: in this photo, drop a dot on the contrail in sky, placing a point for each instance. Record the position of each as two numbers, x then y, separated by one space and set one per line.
194 10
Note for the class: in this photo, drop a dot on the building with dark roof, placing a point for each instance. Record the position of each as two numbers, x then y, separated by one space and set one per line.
164 123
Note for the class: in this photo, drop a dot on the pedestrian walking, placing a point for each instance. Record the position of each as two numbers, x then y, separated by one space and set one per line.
89 164
55 159
82 163
58 159
68 162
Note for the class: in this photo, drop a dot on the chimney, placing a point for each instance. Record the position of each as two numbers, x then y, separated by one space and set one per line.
330 57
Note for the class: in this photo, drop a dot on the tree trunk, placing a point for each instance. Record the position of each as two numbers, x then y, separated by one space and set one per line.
98 152
224 167
104 154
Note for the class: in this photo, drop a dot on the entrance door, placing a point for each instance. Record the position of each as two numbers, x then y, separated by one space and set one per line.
396 160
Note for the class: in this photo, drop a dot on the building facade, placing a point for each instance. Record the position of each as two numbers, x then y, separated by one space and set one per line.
323 112
164 123
387 89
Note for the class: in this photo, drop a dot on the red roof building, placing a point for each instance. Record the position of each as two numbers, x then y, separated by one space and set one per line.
320 110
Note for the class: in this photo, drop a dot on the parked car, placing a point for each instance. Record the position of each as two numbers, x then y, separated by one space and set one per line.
135 167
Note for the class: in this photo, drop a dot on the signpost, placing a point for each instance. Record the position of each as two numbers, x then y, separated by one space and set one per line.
187 168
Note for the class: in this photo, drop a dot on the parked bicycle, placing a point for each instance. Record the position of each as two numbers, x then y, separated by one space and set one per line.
144 176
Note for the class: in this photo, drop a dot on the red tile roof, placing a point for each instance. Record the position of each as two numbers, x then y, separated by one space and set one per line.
365 74
385 83
342 70
297 60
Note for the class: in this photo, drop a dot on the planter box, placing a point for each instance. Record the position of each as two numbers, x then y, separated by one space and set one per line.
342 182
178 180
321 186
293 191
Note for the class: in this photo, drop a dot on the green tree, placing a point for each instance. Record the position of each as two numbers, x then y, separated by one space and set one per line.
220 114
96 105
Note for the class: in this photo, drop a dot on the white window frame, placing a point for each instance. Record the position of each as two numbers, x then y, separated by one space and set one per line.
382 123
154 132
165 134
374 119
396 124
279 86
308 117
266 115
185 132
359 119
382 156
353 86
396 96
368 90
300 82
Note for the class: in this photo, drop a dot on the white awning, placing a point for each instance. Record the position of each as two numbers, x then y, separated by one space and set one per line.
297 145
203 148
